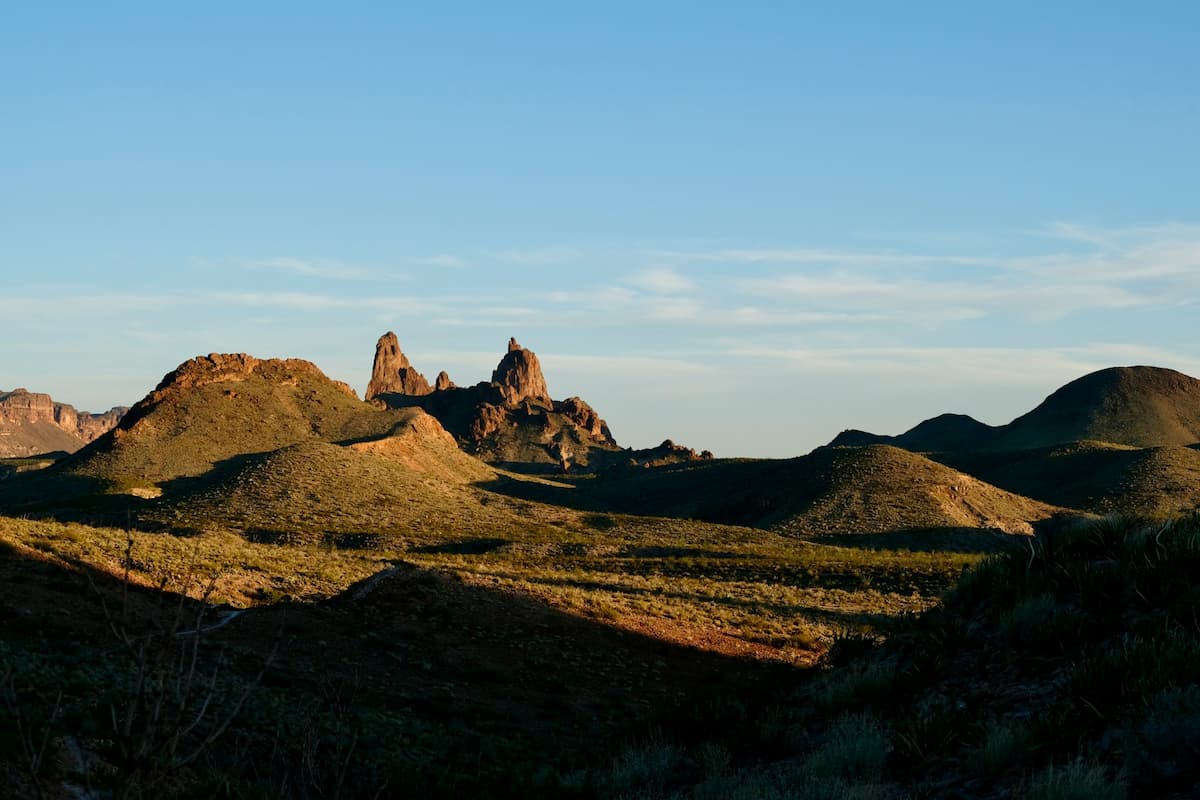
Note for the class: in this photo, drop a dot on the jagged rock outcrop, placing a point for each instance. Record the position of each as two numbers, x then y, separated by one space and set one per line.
512 420
392 373
519 376
32 423
666 453
583 415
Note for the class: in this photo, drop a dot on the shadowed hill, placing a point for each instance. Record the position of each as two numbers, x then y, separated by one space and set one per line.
1094 476
944 432
1138 406
1135 406
872 489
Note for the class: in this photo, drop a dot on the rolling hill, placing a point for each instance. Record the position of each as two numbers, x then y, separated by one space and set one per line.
872 489
217 407
1135 406
1096 477
345 496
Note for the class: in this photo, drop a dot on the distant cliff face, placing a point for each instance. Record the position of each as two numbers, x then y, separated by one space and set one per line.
32 423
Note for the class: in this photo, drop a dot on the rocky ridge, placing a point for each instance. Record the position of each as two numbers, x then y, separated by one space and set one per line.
511 419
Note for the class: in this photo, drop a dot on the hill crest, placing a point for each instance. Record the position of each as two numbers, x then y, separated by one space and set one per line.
1138 406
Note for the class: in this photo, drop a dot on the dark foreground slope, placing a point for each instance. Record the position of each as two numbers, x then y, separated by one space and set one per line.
412 683
1065 671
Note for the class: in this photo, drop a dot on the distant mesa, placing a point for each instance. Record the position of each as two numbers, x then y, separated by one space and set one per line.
1135 406
32 423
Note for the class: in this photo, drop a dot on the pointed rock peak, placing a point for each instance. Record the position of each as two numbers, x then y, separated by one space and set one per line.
387 350
443 382
392 373
519 376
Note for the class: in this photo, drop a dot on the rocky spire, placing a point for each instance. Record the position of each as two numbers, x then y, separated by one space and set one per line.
519 376
443 382
392 373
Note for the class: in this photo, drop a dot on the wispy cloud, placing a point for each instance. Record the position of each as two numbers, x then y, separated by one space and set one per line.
442 260
311 269
537 256
989 365
817 256
662 280
626 365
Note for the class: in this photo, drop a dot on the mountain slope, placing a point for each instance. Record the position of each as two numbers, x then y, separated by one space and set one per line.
1137 406
216 407
1096 477
316 491
872 489
1134 406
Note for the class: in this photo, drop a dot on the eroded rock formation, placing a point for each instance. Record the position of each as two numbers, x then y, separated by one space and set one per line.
519 376
392 373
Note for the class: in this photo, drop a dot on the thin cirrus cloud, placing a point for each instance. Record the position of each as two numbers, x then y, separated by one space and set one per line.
339 271
947 300
985 365
662 280
312 269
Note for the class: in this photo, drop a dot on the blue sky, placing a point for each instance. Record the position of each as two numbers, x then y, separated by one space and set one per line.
742 226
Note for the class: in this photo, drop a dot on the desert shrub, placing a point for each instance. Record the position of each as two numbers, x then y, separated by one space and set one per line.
855 747
1037 621
850 645
936 727
1005 745
1078 780
1162 752
854 685
643 770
